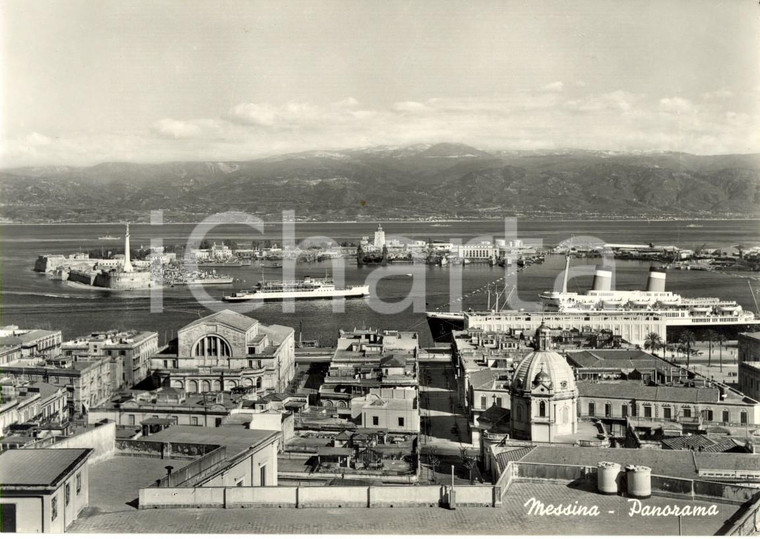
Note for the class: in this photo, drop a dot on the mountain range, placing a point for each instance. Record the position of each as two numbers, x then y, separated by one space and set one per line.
420 181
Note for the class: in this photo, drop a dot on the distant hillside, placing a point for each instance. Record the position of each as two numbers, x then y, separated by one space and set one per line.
441 180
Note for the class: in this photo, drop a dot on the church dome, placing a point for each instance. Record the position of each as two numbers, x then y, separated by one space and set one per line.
544 367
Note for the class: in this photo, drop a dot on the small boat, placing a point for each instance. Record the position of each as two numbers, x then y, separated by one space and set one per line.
108 238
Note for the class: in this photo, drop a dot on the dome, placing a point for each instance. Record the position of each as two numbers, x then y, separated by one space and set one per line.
544 367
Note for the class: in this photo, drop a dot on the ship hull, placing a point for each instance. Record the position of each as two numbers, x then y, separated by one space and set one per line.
443 324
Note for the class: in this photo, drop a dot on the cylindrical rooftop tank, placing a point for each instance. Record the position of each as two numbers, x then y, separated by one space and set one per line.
607 476
639 479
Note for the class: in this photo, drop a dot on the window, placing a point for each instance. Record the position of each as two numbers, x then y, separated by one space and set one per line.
54 508
633 410
743 418
194 421
498 402
647 411
591 409
263 476
375 420
131 419
79 482
400 421
687 412
624 410
726 417
484 402
67 494
218 422
542 409
667 413
707 415
608 410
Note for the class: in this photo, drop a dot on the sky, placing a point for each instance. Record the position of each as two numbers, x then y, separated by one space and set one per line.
85 82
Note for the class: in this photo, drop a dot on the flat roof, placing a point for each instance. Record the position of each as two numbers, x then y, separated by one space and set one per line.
235 440
665 462
668 394
614 359
39 467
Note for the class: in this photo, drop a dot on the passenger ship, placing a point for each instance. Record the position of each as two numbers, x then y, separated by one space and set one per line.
307 288
629 313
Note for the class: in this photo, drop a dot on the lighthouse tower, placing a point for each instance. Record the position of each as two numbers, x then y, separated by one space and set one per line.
127 263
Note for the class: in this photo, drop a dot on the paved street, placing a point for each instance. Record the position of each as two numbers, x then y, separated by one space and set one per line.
444 421
512 518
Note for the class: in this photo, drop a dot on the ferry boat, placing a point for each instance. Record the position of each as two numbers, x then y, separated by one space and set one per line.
629 313
307 288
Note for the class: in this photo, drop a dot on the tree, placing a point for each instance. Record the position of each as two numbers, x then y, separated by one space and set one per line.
468 462
653 342
721 341
712 336
434 461
687 340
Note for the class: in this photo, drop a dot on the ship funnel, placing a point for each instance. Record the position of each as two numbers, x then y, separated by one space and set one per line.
656 280
602 279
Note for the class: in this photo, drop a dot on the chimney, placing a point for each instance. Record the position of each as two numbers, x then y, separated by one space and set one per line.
602 279
656 280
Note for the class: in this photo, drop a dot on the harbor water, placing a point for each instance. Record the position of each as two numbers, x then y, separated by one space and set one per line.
32 299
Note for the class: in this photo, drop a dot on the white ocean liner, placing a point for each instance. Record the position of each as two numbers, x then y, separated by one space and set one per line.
630 313
307 288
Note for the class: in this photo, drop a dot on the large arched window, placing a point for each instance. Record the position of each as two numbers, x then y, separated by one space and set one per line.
212 346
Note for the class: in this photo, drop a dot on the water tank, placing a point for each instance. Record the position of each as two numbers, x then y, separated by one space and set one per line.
606 477
639 479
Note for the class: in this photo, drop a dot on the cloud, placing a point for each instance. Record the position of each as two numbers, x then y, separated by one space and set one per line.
556 86
613 120
410 106
37 139
177 129
676 105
